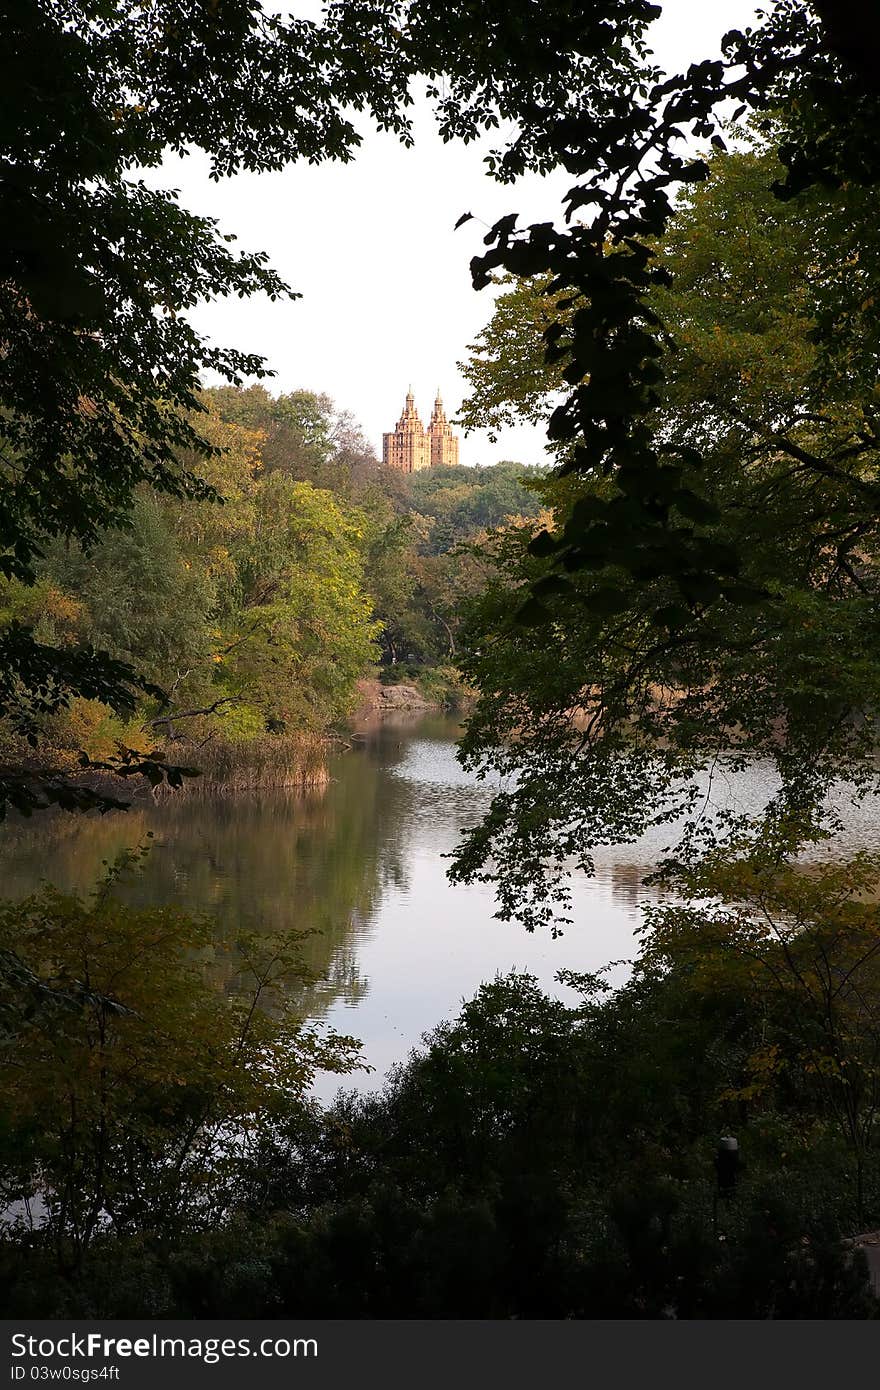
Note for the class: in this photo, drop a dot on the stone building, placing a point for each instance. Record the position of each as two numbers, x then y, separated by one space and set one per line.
412 447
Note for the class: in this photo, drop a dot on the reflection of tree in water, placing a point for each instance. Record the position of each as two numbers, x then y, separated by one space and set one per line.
316 862
628 883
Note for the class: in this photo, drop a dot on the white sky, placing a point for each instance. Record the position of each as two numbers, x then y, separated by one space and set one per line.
387 297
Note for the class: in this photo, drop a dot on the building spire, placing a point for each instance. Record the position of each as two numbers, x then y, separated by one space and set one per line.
409 421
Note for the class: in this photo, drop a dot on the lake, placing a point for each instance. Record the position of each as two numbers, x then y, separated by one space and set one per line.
361 864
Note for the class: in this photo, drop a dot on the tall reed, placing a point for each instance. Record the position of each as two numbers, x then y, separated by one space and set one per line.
267 760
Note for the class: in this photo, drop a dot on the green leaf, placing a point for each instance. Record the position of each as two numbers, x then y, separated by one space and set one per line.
744 595
608 600
543 544
552 584
694 507
672 616
532 614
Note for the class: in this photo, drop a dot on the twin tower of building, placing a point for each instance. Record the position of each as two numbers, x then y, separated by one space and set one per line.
412 447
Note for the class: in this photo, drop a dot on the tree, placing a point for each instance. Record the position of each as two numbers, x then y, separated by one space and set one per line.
297 427
100 366
612 347
302 634
252 615
510 379
460 503
803 950
140 598
641 508
619 679
390 576
131 1074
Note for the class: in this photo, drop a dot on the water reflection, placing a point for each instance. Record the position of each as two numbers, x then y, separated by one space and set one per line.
361 865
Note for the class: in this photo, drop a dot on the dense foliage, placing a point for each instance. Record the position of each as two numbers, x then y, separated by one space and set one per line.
254 611
533 1159
100 366
696 588
133 1082
259 616
615 683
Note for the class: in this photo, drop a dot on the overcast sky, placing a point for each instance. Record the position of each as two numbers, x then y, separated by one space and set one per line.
387 298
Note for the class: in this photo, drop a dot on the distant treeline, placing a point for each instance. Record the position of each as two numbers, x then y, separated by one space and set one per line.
259 612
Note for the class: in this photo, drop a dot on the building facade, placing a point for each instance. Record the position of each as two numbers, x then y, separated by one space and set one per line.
411 446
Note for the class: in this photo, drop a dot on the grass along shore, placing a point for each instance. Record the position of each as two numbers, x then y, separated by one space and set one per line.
296 760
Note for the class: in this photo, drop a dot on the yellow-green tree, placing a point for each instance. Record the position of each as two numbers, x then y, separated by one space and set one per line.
301 632
800 946
134 1086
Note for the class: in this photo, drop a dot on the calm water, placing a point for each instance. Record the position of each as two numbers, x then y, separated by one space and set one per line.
361 864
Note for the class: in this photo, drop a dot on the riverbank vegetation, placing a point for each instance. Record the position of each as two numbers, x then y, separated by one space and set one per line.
533 1159
258 617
